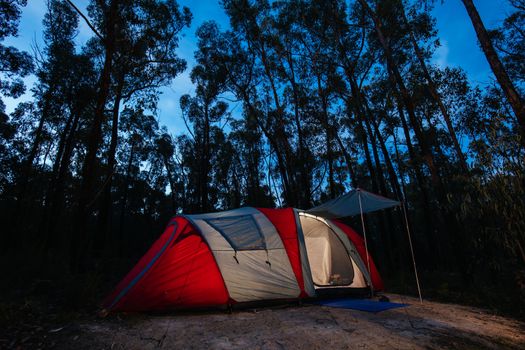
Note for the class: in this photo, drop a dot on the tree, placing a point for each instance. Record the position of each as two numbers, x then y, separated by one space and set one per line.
506 84
14 64
115 21
145 59
65 97
432 86
203 111
253 22
509 41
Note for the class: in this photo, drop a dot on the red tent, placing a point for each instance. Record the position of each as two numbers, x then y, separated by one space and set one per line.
245 255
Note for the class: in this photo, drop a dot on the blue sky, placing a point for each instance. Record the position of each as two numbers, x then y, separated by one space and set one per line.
458 40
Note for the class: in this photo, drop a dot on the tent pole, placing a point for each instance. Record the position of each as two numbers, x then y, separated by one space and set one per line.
366 243
412 251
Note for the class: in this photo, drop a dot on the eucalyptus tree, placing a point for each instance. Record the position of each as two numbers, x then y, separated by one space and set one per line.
61 95
512 94
422 19
252 23
393 67
14 64
166 150
140 35
322 78
145 59
249 163
294 69
139 198
7 133
204 112
140 132
65 96
509 41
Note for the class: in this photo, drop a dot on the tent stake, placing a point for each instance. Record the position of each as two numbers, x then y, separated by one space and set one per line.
366 243
412 252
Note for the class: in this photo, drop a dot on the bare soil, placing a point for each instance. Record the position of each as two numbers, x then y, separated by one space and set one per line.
429 325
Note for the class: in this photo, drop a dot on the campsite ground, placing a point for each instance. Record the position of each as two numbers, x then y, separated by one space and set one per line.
430 325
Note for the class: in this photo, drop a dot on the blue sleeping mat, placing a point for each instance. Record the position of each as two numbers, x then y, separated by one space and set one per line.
360 304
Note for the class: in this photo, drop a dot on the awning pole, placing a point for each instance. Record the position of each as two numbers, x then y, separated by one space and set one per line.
412 251
366 243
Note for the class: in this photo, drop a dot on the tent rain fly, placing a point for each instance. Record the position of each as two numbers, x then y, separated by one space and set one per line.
348 205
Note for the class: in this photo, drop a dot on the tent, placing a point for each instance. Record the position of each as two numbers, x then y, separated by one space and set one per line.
250 255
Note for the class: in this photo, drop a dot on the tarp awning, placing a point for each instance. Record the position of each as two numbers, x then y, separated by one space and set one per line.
348 205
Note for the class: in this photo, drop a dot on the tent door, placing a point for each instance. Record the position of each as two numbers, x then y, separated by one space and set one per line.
330 264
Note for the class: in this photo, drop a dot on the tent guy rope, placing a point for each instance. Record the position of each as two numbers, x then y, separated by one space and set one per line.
412 251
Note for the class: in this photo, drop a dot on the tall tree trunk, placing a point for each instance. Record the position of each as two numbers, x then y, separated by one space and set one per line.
22 204
380 177
80 244
280 134
26 174
407 100
432 130
56 200
328 137
404 253
386 156
205 163
305 201
385 230
122 243
28 162
105 216
428 212
277 135
274 143
516 101
413 156
368 158
348 161
435 95
357 106
171 182
61 146
47 236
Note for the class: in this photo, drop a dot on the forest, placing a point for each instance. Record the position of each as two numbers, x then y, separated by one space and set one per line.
294 103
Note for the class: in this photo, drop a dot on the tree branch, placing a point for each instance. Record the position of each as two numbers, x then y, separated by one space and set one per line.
86 20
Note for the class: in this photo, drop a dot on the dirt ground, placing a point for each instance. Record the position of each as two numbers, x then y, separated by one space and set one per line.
428 326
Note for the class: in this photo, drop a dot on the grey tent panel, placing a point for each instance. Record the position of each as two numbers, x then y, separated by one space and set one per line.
249 253
348 205
242 232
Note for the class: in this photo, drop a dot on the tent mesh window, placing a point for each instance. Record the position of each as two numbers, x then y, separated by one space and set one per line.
242 232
